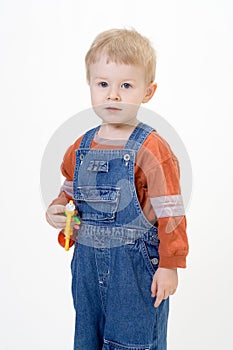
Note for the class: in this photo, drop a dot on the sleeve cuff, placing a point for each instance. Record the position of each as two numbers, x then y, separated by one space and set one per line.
172 262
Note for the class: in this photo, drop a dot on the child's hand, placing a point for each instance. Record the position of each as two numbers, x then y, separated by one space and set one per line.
54 216
165 282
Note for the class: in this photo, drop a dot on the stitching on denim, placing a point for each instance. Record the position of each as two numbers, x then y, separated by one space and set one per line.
126 347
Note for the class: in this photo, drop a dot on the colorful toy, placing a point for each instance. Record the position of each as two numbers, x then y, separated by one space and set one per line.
65 236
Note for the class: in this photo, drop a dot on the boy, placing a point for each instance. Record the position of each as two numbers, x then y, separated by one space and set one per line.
124 180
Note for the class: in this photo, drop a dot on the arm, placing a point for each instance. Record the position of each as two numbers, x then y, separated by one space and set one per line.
173 252
55 212
166 200
173 247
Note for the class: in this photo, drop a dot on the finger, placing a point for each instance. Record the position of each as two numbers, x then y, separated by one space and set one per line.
57 221
60 221
172 292
166 294
56 209
159 299
59 225
154 287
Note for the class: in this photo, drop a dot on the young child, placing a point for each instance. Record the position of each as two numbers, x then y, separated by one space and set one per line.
124 180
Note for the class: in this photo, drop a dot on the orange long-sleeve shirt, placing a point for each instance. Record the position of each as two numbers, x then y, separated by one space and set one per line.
158 189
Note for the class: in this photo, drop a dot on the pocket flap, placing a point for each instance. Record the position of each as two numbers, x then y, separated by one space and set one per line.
97 194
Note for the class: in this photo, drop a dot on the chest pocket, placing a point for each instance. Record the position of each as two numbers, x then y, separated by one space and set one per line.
97 203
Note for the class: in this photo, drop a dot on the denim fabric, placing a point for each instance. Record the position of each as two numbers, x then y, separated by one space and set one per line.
116 253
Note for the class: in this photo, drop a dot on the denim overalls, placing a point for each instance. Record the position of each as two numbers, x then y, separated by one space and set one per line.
116 253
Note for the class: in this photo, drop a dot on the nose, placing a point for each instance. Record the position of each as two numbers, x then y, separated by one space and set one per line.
113 95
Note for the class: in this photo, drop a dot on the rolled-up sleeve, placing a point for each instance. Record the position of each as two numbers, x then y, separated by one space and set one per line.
167 202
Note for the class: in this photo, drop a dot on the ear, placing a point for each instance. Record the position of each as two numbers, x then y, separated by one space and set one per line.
150 90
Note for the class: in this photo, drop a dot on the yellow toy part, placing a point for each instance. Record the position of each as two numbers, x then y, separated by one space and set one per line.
70 212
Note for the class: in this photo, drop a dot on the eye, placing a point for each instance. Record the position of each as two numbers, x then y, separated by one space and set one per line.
126 86
103 84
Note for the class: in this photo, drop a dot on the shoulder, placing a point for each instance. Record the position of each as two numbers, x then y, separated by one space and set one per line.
72 149
158 146
68 163
70 152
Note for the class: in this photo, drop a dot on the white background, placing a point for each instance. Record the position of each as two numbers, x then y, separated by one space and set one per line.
42 84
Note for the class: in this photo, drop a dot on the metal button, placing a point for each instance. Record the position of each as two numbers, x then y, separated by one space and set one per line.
126 157
81 157
154 261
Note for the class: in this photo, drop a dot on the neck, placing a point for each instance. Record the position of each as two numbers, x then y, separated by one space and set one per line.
117 130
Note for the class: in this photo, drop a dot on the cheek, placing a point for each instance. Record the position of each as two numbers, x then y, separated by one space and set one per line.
136 98
96 96
92 98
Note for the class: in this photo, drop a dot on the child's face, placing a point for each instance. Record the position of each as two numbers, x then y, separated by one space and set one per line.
117 90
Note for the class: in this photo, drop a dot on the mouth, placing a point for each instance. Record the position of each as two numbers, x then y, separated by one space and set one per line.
113 108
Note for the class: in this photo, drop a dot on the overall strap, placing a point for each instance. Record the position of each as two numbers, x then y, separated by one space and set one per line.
138 136
134 142
88 137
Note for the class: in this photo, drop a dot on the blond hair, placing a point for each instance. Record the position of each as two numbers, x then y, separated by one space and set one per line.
123 46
